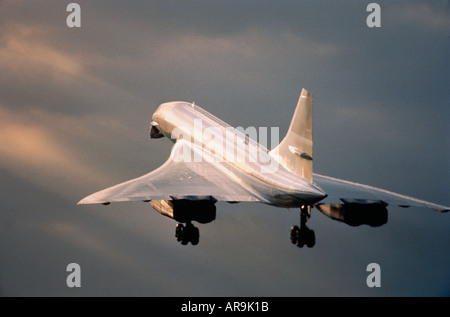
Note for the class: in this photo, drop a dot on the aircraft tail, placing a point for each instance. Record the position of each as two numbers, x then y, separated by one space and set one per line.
295 150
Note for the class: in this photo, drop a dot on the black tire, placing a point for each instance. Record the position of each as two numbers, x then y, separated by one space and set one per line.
179 232
294 234
311 239
195 236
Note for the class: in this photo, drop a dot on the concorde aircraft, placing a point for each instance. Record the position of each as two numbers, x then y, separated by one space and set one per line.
212 161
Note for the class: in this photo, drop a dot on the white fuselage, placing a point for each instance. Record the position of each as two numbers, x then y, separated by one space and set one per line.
273 183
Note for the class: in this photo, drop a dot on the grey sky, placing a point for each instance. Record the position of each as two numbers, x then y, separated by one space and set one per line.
75 105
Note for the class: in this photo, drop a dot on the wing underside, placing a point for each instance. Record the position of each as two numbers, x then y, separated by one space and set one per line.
209 179
345 192
181 178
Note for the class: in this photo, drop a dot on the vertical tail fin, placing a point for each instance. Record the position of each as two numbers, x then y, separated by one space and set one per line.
295 151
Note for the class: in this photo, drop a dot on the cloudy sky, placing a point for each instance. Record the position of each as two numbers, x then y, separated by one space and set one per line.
76 103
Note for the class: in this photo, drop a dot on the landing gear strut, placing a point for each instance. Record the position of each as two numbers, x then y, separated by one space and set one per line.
303 235
186 234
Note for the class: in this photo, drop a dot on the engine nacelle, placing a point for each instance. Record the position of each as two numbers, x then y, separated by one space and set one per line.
183 210
374 215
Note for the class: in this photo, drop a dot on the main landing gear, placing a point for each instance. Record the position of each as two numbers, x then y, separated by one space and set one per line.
185 211
186 234
303 235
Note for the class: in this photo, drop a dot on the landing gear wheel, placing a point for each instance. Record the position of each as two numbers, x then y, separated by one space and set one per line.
179 232
186 234
295 230
195 236
302 235
310 238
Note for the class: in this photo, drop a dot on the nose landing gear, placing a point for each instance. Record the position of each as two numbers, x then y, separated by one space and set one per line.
303 235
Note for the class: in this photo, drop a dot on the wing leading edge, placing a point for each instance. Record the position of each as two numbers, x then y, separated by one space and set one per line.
177 179
341 191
